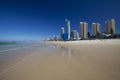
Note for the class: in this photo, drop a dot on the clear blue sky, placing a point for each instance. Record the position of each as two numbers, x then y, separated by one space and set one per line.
39 19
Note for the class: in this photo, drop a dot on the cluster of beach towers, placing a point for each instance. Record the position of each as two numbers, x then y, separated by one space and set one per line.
84 34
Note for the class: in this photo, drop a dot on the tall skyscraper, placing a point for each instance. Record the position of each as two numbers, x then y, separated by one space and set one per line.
62 32
110 26
113 25
95 28
107 27
67 28
84 29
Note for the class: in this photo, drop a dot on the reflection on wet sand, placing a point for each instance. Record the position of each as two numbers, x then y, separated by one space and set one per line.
69 54
66 52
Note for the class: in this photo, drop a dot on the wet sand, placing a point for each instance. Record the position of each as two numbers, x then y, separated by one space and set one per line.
62 61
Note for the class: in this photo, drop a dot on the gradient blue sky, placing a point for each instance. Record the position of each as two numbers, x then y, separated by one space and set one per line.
39 19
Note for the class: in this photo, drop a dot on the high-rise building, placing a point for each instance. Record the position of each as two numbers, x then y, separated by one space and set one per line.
95 28
110 26
74 35
113 25
84 29
107 27
62 32
68 28
77 35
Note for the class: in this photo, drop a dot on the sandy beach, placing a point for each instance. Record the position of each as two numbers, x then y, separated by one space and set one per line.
72 60
101 58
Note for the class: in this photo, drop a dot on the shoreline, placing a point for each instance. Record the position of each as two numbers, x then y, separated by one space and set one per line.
80 43
94 48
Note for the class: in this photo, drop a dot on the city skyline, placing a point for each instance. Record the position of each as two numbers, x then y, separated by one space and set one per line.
109 31
37 20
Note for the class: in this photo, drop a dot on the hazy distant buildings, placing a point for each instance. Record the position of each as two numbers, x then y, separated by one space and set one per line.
67 28
84 29
62 32
56 38
95 29
110 26
74 35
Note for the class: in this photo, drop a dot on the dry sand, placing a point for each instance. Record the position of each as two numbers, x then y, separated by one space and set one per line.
78 60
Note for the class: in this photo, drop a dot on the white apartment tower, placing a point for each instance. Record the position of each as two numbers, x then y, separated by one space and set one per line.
95 28
62 32
110 25
84 29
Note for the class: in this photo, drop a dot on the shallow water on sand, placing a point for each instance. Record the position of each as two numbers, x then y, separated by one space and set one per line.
53 62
